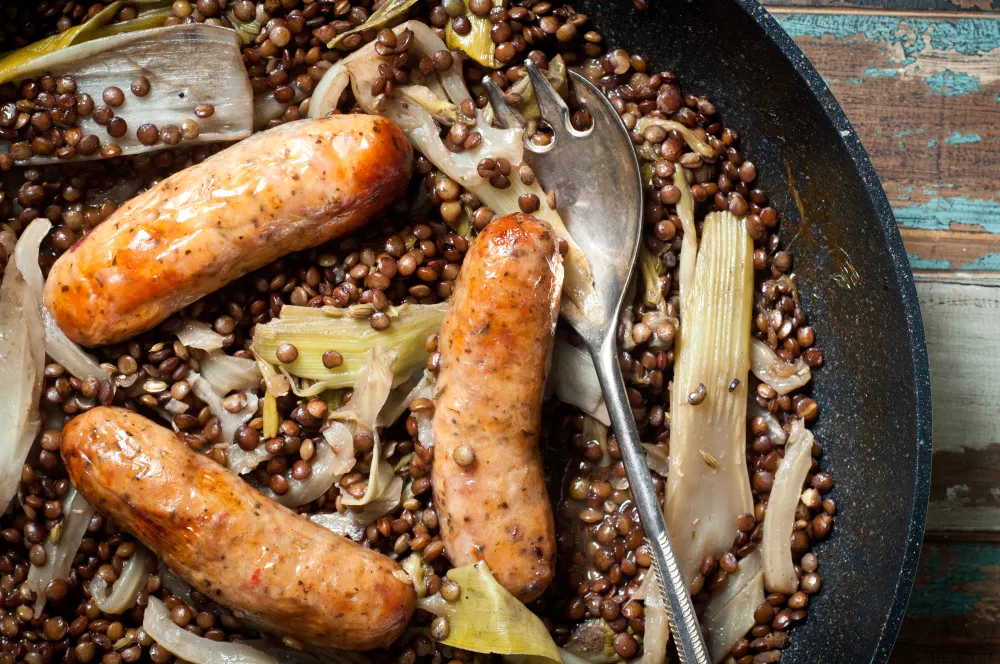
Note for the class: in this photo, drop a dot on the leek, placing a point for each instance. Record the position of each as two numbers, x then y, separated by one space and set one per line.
477 44
486 618
315 331
729 614
708 486
775 546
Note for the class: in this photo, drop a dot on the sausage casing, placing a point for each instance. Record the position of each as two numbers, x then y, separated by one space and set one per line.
495 344
296 186
231 543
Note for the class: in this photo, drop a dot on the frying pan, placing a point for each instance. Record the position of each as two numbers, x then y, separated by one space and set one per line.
855 284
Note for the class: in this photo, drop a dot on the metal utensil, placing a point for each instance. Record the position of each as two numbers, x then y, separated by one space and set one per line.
595 175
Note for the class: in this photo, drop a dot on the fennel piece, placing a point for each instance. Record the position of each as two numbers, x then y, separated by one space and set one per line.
711 349
729 614
186 65
315 331
775 545
360 71
486 618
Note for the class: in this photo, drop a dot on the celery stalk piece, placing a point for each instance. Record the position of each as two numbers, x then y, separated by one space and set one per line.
315 331
708 486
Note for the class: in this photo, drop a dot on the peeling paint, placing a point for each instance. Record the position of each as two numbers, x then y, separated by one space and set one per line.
952 56
946 584
957 138
950 83
918 263
939 213
931 143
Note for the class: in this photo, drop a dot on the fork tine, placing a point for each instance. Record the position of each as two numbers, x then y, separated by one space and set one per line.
507 116
550 105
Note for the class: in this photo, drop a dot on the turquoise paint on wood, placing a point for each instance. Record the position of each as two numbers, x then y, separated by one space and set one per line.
939 213
942 587
964 36
958 138
950 83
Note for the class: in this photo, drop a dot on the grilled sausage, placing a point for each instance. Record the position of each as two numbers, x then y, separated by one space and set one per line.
281 571
495 344
293 187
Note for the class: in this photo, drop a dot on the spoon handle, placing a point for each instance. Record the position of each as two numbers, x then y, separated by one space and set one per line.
680 611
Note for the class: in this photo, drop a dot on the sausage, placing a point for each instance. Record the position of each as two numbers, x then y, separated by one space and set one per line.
296 186
495 344
280 571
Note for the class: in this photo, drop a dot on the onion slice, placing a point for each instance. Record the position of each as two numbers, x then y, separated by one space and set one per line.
195 649
57 344
22 361
61 546
775 546
780 376
729 614
126 589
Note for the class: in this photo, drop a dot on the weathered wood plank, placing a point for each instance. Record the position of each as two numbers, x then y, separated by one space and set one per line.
954 610
961 313
893 5
923 92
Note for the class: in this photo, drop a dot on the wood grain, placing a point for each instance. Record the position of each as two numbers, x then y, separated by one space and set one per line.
961 320
954 602
922 89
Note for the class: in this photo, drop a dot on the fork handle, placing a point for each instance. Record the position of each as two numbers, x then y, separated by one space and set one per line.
680 610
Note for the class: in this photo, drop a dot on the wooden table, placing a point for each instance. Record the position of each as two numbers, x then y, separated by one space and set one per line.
920 81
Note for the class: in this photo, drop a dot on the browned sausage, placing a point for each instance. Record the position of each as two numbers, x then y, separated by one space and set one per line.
293 187
231 543
495 344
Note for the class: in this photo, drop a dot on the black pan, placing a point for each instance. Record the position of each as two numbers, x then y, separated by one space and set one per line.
855 282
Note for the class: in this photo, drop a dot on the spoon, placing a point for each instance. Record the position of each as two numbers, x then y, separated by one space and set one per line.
595 175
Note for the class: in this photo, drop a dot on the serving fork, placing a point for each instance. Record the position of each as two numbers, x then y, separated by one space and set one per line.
596 179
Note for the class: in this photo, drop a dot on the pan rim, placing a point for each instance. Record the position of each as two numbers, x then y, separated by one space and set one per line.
911 306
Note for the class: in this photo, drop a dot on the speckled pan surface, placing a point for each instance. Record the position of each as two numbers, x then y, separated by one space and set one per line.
856 284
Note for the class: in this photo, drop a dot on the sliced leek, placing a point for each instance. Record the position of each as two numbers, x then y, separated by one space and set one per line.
315 331
708 486
486 618
775 546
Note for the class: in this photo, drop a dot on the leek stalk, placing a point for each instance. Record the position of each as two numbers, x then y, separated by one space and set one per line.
708 486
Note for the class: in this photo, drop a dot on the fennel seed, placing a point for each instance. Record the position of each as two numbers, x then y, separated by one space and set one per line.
733 385
709 459
698 395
